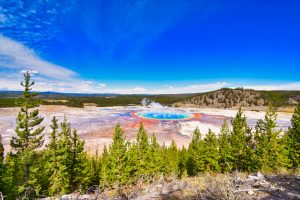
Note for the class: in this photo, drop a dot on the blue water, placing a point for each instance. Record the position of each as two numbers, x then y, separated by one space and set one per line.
165 115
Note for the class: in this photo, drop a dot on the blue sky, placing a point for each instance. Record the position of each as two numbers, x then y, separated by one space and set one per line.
150 46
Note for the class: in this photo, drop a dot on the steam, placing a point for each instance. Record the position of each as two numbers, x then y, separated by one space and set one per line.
151 104
154 110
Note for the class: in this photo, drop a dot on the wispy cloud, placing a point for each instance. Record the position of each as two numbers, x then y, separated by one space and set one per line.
287 86
16 56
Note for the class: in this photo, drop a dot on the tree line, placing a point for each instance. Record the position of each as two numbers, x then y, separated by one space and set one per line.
32 169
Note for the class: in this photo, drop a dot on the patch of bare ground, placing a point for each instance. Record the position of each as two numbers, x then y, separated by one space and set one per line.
236 186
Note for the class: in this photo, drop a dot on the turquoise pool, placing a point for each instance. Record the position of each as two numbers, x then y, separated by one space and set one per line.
165 115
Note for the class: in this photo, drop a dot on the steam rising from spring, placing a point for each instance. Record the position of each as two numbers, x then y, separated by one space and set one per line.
154 110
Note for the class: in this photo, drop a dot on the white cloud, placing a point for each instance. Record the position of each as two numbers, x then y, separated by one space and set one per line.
190 89
135 90
16 56
3 18
32 72
287 86
87 86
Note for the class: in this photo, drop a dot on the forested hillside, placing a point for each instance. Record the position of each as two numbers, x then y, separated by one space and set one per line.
223 98
239 97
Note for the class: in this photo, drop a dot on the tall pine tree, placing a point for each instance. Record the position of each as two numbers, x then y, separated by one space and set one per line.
29 136
117 159
240 140
1 164
269 144
78 157
225 149
156 160
211 149
56 180
195 161
293 139
142 151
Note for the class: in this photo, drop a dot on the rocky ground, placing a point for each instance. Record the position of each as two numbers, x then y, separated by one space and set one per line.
236 186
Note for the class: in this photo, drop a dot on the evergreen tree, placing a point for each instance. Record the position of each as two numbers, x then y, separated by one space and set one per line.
135 165
156 160
293 139
143 157
117 158
211 149
91 172
183 155
53 164
1 164
195 161
29 138
225 149
12 176
77 161
62 184
240 140
1 152
104 169
172 159
269 146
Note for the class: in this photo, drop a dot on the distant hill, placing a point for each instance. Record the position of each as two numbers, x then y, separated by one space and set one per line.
8 99
239 97
222 98
56 94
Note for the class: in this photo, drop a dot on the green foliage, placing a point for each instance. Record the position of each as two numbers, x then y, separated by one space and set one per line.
116 162
1 164
170 157
195 160
66 159
240 140
293 139
12 176
269 145
7 102
211 152
225 149
154 152
28 139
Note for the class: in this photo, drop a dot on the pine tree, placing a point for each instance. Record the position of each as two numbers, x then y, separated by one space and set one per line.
29 138
143 158
1 164
1 152
77 161
240 140
225 149
104 169
211 149
135 164
269 145
91 172
12 176
183 155
172 159
293 139
156 160
53 164
195 161
117 158
62 185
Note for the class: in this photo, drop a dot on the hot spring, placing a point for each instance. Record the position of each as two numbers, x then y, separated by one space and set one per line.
158 112
163 115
